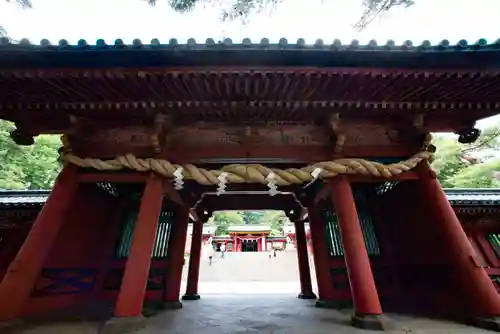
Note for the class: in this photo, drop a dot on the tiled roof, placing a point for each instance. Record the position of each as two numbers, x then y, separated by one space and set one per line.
276 237
249 228
23 198
282 53
462 45
459 196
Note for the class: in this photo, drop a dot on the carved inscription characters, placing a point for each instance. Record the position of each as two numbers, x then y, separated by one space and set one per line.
370 134
128 136
132 139
275 135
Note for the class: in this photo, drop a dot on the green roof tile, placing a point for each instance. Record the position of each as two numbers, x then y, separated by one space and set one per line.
321 53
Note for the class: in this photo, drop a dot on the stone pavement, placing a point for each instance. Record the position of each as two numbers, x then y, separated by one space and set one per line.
266 314
250 293
250 267
247 273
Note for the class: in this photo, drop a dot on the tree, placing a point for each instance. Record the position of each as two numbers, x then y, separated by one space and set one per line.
276 219
241 9
479 175
31 167
447 160
224 219
253 217
469 166
22 3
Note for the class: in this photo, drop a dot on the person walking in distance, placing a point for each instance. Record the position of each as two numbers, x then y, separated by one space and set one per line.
222 250
210 251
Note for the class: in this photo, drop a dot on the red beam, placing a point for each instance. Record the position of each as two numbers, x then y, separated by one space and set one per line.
401 177
129 177
323 193
195 216
299 153
172 194
326 189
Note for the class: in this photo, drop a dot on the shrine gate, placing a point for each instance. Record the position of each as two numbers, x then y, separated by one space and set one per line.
156 135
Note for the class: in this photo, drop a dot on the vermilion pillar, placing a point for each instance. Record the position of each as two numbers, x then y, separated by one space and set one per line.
24 269
364 292
135 277
321 259
175 260
481 297
194 263
306 291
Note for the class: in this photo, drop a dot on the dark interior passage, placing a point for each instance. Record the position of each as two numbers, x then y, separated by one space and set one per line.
249 246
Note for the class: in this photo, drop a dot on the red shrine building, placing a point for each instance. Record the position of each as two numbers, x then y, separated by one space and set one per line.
155 136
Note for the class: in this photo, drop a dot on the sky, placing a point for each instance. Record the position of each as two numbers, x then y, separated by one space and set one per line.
72 20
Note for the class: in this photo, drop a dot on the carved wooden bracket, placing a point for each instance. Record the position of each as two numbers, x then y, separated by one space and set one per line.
204 214
79 128
161 129
294 214
22 137
338 138
414 133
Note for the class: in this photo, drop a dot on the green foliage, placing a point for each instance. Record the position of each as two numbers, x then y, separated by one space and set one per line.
32 167
276 219
252 217
447 162
460 166
224 219
476 176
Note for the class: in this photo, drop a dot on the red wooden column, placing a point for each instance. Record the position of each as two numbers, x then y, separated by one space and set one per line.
306 291
364 292
481 299
135 277
175 259
321 259
23 271
194 263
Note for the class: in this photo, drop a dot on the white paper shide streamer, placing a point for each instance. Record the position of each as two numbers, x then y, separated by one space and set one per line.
316 172
222 184
178 179
271 184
